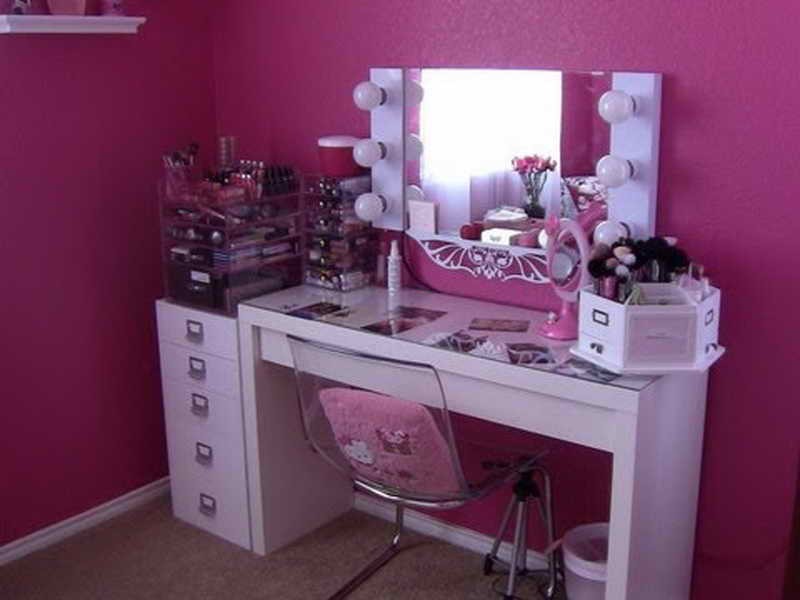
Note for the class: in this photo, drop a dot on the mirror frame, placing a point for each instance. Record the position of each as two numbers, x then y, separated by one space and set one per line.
634 203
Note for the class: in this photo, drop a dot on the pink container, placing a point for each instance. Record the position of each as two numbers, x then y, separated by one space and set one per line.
336 156
67 7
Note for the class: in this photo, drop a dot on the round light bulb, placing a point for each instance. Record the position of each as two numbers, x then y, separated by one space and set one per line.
609 232
368 95
370 207
368 152
613 171
543 238
615 106
414 93
414 192
414 147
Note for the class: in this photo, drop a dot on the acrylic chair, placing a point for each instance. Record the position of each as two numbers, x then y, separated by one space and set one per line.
389 430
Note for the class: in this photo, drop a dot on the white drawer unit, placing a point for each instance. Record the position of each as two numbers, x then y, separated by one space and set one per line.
192 406
203 413
218 510
206 456
198 369
202 331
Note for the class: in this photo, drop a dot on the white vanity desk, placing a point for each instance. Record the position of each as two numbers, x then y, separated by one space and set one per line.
653 427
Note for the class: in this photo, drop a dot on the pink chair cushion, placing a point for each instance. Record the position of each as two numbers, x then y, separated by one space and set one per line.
391 441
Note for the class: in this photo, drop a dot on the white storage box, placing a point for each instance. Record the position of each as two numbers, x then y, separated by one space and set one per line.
670 332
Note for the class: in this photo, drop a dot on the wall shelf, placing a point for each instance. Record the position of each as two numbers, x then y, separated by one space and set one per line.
69 24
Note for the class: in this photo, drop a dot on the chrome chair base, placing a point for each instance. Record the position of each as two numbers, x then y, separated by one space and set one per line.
525 490
378 562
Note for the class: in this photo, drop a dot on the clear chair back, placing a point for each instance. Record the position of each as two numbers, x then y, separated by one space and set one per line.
383 422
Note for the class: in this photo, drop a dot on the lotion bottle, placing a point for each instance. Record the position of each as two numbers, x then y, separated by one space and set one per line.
394 269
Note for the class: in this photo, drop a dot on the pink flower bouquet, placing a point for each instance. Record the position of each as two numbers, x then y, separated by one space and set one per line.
533 171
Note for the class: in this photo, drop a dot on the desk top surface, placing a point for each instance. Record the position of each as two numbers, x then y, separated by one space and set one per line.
482 329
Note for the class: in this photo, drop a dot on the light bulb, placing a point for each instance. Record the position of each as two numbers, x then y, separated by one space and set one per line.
609 232
414 93
368 95
613 171
543 238
415 193
368 152
414 147
370 207
616 106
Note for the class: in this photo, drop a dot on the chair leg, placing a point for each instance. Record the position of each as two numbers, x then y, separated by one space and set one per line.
378 562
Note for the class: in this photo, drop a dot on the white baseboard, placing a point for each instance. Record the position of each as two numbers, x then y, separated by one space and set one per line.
452 534
69 527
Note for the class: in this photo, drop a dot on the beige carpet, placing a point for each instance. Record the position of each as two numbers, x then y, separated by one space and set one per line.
147 553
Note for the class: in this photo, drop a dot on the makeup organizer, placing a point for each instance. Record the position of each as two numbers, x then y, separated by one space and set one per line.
230 235
669 329
340 246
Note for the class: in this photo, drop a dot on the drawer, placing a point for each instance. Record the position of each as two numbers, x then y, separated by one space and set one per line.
199 453
213 334
218 510
603 349
199 370
205 410
601 319
668 339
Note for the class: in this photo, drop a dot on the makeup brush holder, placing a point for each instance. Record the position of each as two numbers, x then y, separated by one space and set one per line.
671 332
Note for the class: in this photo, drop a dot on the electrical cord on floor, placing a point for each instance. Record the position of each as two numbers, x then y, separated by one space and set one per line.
529 575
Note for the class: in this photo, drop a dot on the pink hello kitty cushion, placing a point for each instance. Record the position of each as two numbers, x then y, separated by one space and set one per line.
391 441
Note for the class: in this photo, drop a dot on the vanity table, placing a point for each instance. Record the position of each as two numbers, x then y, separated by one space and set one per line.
652 426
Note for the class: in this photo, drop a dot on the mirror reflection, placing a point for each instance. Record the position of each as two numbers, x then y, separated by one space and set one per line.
502 145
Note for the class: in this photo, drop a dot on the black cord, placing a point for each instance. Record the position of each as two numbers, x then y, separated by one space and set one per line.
529 575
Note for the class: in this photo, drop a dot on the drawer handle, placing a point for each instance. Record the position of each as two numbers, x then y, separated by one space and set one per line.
208 505
194 331
596 347
204 454
600 317
200 405
197 368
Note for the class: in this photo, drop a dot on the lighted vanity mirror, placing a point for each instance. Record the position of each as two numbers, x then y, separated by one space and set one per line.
473 123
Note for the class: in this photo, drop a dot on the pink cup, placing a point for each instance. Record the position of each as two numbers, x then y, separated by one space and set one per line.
336 156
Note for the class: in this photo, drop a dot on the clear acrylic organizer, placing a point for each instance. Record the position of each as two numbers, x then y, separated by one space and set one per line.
226 243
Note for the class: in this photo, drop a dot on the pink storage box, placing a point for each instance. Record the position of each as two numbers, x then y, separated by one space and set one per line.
336 156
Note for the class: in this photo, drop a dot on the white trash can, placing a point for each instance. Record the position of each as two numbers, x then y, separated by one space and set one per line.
585 556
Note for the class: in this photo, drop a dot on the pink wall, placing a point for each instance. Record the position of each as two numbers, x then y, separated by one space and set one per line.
729 183
83 122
